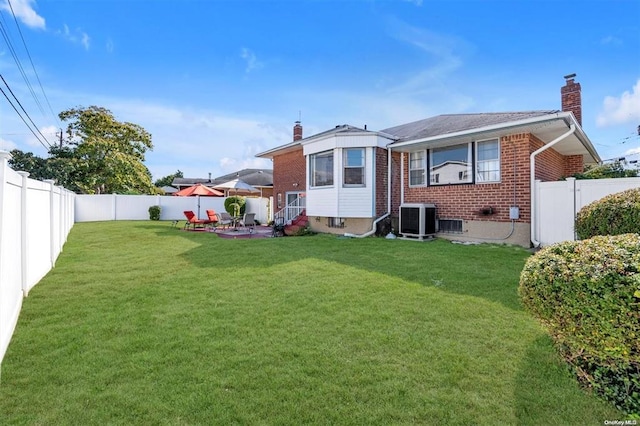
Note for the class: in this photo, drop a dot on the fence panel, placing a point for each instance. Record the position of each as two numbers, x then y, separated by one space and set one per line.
11 249
136 207
559 202
35 219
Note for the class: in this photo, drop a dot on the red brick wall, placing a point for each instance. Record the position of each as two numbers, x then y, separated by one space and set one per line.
288 170
382 181
573 165
467 201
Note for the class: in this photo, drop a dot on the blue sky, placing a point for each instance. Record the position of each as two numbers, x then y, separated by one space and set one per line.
217 81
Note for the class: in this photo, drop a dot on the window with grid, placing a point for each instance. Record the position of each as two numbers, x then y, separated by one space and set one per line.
417 167
353 167
488 161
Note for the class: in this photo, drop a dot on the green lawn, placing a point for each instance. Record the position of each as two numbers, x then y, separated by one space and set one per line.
143 323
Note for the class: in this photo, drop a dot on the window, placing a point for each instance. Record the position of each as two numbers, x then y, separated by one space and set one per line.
488 163
453 226
321 169
335 222
450 165
353 167
417 167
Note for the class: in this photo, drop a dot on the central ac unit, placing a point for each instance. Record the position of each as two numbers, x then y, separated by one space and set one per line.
417 220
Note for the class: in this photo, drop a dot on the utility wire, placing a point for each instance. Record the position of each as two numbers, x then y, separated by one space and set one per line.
7 39
26 113
32 65
27 124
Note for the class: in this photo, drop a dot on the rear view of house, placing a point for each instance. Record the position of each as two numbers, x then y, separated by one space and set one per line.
473 174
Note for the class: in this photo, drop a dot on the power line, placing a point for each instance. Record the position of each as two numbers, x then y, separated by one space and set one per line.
26 113
32 65
27 124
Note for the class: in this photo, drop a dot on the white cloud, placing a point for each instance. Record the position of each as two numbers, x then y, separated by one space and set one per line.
622 109
250 58
25 12
633 151
416 2
76 36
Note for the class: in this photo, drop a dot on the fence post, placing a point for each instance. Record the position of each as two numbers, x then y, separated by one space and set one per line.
571 186
52 222
4 160
24 241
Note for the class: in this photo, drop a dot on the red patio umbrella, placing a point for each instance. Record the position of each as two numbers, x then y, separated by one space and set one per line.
199 190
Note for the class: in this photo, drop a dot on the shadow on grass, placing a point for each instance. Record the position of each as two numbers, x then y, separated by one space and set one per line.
547 393
487 271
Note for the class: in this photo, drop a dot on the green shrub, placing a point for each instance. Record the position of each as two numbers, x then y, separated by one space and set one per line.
587 294
614 214
235 205
154 212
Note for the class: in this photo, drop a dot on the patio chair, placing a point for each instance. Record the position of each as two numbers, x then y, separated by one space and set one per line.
248 221
212 216
193 221
224 219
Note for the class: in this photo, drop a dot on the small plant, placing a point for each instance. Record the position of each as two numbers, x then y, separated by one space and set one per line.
154 212
614 214
587 294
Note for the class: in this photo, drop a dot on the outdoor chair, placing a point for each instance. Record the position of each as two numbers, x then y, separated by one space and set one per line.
248 221
193 221
224 219
212 216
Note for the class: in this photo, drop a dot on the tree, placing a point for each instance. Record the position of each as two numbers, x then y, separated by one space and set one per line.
168 180
615 169
107 156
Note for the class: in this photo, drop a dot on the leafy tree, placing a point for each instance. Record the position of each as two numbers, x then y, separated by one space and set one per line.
107 155
100 155
168 180
605 171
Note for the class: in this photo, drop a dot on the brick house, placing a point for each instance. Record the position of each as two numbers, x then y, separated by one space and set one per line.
476 169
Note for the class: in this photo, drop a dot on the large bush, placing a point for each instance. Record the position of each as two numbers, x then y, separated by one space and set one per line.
235 205
614 214
587 295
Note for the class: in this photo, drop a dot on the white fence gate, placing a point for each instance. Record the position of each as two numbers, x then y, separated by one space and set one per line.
559 202
35 219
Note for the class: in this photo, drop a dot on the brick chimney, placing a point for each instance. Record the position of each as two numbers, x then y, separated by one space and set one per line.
571 98
297 131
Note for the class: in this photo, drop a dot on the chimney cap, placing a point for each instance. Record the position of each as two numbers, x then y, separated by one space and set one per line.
568 76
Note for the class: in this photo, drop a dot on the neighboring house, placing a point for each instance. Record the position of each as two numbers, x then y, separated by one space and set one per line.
477 169
261 179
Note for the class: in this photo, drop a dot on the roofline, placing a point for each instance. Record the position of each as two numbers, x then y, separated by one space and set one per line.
287 147
566 116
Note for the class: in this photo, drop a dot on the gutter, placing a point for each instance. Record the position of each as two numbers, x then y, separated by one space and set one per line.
532 179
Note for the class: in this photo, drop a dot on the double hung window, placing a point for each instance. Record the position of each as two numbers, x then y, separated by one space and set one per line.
353 167
488 161
321 169
417 167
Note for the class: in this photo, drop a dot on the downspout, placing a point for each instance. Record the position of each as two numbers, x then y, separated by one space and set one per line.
532 182
375 223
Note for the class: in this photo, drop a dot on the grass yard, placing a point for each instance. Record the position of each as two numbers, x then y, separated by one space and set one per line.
142 323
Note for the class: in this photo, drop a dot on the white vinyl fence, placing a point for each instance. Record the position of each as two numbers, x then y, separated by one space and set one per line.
91 208
35 219
559 202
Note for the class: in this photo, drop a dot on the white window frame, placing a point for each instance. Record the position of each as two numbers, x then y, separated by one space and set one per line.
360 166
423 168
312 170
479 178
